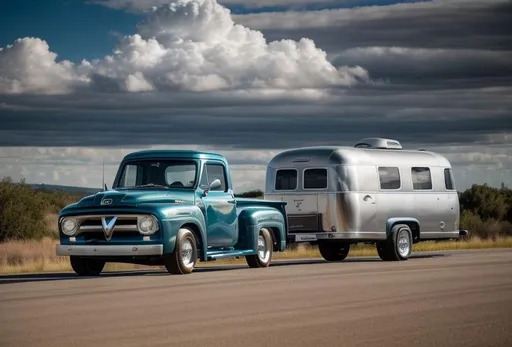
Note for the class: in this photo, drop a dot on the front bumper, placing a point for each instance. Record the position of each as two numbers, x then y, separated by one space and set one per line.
108 251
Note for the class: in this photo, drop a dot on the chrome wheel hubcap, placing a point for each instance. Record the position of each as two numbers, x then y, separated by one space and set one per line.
263 252
187 253
403 243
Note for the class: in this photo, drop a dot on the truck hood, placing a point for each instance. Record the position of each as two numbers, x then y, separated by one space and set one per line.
134 197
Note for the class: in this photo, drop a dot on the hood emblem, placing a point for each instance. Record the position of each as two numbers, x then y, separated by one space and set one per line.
106 201
108 226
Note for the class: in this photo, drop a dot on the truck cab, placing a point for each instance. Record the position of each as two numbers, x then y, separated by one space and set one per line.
170 208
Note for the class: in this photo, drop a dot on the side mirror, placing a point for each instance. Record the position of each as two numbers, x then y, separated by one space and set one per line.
214 185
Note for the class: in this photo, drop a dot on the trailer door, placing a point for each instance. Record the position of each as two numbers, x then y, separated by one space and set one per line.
305 216
302 204
302 210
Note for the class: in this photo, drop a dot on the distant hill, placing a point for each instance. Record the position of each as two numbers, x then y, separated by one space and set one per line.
67 189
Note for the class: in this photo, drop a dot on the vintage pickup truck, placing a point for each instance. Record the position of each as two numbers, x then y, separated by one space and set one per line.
171 208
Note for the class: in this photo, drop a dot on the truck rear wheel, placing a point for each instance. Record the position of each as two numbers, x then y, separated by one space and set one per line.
334 251
184 257
398 246
86 266
264 255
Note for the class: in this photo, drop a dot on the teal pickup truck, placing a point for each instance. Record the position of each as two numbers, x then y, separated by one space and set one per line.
171 208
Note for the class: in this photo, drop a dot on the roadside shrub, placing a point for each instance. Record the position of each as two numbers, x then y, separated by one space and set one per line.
486 202
484 229
28 213
22 212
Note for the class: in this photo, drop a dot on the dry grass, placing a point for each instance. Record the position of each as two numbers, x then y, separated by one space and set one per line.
33 256
52 220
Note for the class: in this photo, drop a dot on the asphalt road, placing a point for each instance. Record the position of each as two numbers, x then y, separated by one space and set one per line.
452 299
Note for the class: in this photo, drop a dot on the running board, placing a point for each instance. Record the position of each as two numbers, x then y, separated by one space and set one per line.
214 255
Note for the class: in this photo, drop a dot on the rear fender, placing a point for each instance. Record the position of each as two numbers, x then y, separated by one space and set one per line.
251 219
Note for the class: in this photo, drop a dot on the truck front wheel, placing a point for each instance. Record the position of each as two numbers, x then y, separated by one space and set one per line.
86 266
334 251
184 257
264 252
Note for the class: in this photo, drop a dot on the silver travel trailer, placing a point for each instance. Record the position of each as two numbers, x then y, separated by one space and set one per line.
374 192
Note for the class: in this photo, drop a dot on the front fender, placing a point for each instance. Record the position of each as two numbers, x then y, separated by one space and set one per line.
175 217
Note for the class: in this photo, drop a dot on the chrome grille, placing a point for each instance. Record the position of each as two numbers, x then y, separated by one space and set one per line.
92 223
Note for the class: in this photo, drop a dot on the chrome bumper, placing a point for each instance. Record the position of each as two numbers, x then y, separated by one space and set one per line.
123 250
352 235
310 237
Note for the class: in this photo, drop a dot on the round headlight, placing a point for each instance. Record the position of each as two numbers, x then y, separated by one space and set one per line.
147 225
69 225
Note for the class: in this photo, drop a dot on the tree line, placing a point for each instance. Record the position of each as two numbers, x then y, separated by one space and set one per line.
28 213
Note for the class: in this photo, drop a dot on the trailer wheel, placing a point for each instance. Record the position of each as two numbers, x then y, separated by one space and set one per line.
86 266
398 246
334 251
263 256
184 257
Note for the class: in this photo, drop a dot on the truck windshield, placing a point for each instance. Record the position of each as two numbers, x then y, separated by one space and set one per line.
160 173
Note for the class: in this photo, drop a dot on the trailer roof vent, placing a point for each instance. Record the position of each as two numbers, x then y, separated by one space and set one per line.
378 143
301 160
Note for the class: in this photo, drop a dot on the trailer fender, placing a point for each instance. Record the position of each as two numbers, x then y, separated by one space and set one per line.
413 224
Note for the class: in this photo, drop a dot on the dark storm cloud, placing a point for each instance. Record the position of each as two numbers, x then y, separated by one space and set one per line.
437 117
427 46
452 67
475 24
247 133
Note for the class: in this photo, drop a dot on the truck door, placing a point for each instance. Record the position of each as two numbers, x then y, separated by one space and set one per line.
220 209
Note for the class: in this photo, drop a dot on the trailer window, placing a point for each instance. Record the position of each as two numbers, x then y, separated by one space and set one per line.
421 178
315 179
389 178
448 179
286 179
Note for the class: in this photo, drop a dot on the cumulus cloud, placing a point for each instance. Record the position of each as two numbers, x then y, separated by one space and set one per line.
28 66
188 45
146 5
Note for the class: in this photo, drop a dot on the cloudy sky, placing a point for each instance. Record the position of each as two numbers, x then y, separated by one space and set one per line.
85 80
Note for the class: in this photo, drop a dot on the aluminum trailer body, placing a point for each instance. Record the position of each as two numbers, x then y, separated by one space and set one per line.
373 192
